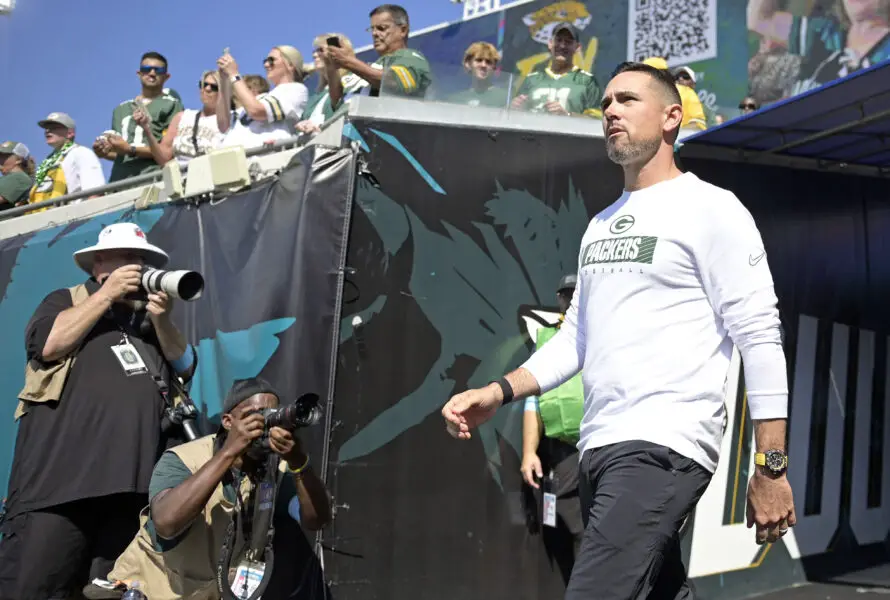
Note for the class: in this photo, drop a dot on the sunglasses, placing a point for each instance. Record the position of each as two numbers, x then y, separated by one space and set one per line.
747 107
270 60
207 85
146 69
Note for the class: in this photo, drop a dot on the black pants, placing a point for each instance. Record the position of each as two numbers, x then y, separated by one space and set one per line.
51 554
634 496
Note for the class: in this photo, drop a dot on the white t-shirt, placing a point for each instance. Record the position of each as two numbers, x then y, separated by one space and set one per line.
284 107
669 278
207 137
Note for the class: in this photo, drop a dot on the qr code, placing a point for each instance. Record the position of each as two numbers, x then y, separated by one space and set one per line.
680 31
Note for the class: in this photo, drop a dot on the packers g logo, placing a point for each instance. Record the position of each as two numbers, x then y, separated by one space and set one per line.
622 224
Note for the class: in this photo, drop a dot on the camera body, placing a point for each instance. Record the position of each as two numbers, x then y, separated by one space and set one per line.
305 412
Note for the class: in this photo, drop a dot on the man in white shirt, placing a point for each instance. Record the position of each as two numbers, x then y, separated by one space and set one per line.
670 276
70 167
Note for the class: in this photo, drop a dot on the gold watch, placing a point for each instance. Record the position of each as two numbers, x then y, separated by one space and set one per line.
775 461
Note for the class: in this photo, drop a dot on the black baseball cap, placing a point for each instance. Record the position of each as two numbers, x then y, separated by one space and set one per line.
567 282
565 27
244 389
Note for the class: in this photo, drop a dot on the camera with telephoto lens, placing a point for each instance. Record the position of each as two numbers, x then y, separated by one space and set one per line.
185 285
305 412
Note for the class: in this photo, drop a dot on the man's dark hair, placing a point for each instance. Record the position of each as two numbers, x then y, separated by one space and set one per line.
663 79
399 15
244 389
156 56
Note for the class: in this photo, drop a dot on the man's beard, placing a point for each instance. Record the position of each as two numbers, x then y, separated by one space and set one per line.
631 151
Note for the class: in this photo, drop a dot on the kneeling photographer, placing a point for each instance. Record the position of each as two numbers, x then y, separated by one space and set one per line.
224 511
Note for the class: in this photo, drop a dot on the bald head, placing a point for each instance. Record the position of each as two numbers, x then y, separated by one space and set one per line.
661 80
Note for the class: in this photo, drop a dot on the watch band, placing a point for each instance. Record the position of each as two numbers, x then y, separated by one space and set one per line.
775 461
506 389
235 79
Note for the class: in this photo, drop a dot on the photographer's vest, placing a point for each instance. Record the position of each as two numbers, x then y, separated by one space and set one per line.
44 382
561 408
188 570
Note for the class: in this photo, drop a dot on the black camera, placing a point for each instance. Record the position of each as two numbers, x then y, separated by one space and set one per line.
305 412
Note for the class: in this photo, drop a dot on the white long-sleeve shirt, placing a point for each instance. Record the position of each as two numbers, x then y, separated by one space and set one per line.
669 278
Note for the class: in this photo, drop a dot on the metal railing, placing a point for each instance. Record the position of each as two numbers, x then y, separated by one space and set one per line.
137 181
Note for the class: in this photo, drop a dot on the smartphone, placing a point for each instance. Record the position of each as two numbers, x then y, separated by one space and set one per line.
333 41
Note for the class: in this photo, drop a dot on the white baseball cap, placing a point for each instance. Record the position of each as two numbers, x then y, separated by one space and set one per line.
59 118
122 236
687 70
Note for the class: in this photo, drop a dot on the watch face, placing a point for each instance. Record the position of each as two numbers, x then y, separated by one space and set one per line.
776 461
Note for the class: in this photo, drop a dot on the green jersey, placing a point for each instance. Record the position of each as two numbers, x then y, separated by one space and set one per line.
406 72
14 188
576 91
492 96
161 110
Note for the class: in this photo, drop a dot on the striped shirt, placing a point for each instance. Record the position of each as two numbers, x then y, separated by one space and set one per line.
284 107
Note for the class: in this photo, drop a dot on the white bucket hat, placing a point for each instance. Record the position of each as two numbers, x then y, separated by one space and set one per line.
122 236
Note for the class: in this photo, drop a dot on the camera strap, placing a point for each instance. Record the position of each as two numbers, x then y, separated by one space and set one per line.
254 521
154 372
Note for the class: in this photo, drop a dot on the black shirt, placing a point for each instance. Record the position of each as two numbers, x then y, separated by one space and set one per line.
104 435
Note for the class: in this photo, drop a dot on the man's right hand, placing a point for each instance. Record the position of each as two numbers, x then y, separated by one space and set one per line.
519 102
531 468
122 281
242 433
470 409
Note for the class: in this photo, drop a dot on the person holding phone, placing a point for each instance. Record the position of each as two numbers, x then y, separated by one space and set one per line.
192 132
334 84
400 71
264 118
125 143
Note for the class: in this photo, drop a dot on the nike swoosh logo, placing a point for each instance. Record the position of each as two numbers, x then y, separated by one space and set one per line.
753 260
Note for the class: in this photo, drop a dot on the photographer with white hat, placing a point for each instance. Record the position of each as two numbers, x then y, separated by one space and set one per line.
90 419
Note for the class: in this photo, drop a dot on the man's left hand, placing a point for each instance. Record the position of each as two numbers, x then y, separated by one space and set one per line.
159 305
770 507
287 446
